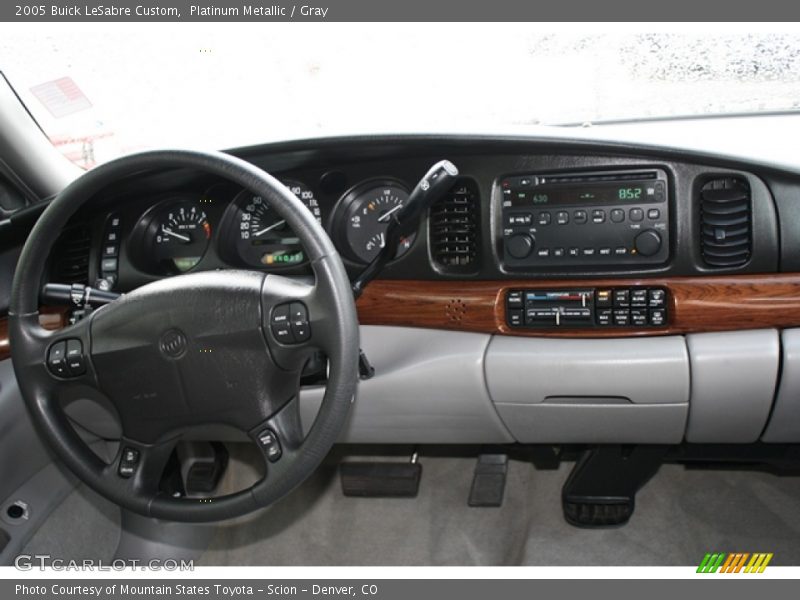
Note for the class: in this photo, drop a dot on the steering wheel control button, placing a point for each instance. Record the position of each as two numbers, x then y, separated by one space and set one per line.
281 324
298 316
57 359
270 445
76 363
128 462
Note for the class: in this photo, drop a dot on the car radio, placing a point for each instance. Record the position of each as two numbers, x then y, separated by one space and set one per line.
596 219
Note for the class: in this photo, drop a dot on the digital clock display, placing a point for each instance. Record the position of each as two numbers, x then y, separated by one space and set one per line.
585 194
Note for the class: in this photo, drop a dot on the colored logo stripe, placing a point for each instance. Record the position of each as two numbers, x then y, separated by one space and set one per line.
734 562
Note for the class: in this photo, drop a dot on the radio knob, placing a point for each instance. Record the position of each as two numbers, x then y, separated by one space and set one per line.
520 245
647 243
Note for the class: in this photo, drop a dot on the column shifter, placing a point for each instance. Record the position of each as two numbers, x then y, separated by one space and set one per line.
439 179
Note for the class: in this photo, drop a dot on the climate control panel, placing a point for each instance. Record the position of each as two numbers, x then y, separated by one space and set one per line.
587 307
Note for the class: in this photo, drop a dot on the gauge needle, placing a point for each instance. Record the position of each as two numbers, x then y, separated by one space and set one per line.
270 228
385 216
184 238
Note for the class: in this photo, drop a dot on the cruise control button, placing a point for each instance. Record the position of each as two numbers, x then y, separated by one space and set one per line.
76 364
57 359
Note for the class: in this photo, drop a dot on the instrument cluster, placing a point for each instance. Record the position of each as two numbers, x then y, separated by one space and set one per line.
182 232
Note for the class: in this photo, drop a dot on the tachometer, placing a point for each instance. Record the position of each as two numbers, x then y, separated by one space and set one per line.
262 237
363 215
176 236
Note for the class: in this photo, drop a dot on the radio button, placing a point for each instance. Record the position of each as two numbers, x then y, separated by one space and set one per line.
621 251
617 215
544 218
520 245
543 252
519 219
588 251
574 251
622 298
580 217
558 252
653 214
636 214
605 251
598 216
647 243
562 217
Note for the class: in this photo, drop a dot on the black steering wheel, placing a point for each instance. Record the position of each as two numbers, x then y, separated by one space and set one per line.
195 349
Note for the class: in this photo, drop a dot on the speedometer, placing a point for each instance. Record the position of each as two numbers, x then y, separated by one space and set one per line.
262 238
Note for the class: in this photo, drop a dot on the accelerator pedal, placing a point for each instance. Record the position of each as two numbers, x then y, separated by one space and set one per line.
489 481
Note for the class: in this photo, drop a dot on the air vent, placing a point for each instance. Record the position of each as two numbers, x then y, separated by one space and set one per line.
725 221
71 256
455 228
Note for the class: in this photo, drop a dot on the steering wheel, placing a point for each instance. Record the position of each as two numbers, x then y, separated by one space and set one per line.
218 347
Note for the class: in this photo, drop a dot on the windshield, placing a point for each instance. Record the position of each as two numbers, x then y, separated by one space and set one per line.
99 93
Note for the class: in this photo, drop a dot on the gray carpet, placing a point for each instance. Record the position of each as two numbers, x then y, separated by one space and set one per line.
680 515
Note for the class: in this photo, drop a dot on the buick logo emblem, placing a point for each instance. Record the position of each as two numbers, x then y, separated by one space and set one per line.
172 343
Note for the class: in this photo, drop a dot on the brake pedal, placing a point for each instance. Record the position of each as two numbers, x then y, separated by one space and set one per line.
381 479
489 481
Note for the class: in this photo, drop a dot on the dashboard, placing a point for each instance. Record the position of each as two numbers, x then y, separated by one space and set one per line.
561 292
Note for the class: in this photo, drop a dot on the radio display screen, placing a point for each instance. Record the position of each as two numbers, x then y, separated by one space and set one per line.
615 193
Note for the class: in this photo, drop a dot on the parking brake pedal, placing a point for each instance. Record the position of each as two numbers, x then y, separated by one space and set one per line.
489 481
381 479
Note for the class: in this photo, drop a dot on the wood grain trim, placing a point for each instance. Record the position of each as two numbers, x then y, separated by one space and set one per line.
50 318
696 304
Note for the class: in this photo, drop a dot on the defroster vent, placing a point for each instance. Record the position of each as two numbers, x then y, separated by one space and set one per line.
455 228
726 222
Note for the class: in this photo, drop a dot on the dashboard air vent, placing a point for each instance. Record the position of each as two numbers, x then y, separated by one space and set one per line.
726 222
455 228
71 256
